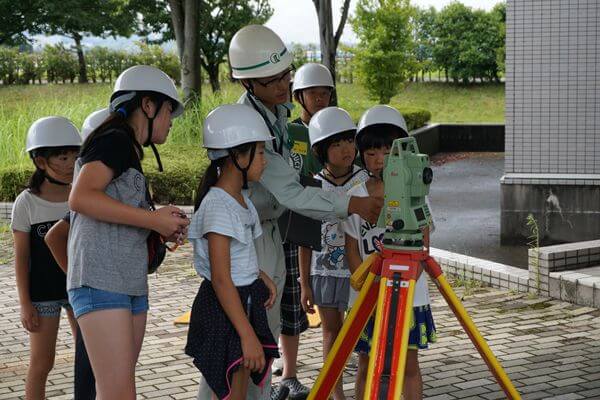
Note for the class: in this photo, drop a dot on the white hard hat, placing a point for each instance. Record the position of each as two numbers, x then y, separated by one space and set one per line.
312 75
52 132
93 121
231 125
144 78
328 122
381 114
256 51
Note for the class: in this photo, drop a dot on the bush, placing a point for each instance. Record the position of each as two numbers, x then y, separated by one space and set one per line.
183 165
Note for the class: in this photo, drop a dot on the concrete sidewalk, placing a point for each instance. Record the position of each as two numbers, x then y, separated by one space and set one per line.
550 349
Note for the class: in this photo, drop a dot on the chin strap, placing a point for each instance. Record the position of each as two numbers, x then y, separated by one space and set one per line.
54 181
343 175
150 132
244 171
301 101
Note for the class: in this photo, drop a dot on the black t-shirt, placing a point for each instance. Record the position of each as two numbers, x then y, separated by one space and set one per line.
115 149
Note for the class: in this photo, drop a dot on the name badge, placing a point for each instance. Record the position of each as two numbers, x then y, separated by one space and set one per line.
300 147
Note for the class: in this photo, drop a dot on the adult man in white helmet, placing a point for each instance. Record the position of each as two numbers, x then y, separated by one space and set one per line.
311 88
263 65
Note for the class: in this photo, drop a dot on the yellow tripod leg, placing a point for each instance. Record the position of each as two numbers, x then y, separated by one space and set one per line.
408 314
375 341
476 337
358 277
346 340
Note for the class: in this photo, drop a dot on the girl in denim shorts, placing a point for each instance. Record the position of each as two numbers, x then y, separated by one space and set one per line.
53 144
111 220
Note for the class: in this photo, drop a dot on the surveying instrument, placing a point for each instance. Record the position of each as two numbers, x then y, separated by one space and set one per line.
386 281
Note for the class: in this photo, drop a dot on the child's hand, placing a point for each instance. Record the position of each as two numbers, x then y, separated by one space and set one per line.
307 300
29 317
169 220
253 354
272 289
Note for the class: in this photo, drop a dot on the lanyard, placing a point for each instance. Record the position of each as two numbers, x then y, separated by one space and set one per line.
273 129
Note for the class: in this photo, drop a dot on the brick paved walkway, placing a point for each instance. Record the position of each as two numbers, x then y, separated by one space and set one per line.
550 349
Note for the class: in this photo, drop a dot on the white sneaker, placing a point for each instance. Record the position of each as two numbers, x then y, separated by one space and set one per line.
277 367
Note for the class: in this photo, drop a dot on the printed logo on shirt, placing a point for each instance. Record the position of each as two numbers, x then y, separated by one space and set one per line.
43 229
137 182
296 161
371 241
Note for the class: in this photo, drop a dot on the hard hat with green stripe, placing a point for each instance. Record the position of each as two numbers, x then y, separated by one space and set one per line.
256 51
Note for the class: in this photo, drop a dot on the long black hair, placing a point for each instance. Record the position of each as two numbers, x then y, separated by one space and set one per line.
39 175
211 175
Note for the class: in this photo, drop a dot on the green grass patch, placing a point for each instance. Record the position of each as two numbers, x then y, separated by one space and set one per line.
182 155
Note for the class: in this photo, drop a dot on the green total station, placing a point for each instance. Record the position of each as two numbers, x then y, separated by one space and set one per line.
406 178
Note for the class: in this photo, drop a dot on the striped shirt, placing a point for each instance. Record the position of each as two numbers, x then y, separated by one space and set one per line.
222 214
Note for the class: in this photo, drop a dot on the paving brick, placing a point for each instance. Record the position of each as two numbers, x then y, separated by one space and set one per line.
547 352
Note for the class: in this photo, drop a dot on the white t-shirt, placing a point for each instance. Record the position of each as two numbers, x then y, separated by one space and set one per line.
220 213
331 260
30 210
368 237
33 215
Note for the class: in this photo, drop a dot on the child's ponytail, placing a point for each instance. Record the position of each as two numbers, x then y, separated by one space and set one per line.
36 180
211 175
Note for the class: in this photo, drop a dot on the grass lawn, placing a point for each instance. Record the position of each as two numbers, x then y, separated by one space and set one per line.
21 105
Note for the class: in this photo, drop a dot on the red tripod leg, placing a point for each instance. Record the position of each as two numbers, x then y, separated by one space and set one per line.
390 340
346 340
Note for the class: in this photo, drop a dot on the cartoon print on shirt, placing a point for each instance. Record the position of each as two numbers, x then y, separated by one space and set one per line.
333 253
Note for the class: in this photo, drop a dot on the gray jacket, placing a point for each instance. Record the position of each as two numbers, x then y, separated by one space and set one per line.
279 186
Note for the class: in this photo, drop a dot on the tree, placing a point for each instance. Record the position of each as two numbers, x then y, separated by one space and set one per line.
299 54
79 18
425 39
451 25
15 20
385 53
218 21
61 65
499 13
468 43
185 19
328 37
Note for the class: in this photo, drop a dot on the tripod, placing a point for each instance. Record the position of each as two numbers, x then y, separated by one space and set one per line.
387 281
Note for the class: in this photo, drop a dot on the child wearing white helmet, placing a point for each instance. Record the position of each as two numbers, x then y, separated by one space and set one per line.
229 336
378 127
57 241
53 144
312 89
324 275
263 65
111 221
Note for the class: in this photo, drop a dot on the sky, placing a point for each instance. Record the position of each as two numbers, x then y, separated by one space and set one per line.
295 21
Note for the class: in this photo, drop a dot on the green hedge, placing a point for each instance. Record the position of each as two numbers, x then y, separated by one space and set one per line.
183 165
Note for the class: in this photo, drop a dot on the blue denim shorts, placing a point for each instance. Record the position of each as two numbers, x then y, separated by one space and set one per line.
86 299
51 308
